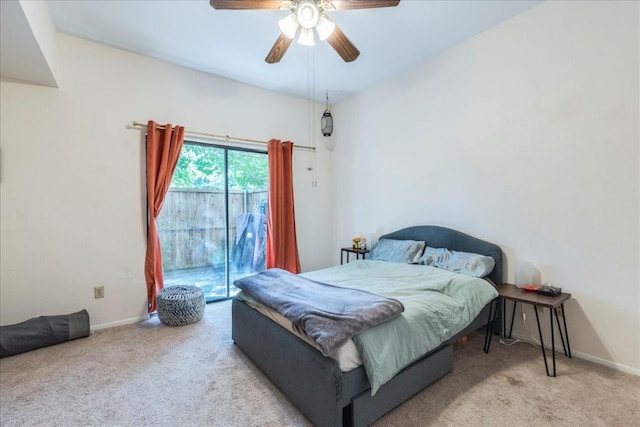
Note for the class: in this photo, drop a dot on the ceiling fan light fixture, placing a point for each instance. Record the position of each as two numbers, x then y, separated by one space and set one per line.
324 27
306 37
289 25
307 13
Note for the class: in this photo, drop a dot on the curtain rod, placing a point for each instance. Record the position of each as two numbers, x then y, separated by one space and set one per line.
225 137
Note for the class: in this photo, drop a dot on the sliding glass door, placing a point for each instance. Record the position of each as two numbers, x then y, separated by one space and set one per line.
213 223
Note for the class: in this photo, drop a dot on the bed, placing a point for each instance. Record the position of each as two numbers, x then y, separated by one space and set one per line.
318 386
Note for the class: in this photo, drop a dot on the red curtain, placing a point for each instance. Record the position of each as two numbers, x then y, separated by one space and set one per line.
163 150
282 244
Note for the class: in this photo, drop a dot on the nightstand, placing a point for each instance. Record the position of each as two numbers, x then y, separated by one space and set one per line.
349 251
555 305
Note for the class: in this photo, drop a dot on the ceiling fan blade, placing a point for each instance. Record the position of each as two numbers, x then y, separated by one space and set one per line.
343 45
278 50
245 4
363 4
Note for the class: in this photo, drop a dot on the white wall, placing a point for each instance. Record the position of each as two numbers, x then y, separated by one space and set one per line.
526 136
72 172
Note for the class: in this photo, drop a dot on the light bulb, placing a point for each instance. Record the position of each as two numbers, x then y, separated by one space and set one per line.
289 25
324 27
306 37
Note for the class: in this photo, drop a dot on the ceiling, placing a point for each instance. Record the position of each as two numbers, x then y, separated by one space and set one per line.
234 43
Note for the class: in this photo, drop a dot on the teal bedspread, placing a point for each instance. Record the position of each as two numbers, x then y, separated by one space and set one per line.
438 304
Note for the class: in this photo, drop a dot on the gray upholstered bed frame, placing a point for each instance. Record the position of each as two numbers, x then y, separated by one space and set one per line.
316 385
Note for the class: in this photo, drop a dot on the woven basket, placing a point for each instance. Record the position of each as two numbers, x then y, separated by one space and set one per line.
180 305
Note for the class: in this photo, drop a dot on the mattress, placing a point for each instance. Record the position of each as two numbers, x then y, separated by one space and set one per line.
347 356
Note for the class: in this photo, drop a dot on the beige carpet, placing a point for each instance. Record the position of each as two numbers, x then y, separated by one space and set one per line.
148 374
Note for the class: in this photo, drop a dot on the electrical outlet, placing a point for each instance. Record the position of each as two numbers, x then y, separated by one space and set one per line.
539 308
98 292
558 311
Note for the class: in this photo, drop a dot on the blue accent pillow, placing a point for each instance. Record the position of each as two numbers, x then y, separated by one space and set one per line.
468 263
403 251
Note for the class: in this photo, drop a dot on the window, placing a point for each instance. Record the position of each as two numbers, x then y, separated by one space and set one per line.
213 223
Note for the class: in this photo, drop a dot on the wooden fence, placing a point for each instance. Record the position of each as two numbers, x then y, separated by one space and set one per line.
192 225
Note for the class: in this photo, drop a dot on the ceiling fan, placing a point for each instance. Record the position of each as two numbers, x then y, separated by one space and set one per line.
305 16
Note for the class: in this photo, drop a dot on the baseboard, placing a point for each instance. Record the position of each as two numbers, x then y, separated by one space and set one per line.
118 323
585 356
607 363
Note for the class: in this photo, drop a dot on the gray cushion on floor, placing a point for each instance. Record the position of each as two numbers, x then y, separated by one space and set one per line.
43 331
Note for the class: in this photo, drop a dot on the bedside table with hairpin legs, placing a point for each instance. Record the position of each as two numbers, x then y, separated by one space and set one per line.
555 304
349 251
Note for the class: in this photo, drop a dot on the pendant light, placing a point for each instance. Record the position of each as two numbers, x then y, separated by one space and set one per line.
326 120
